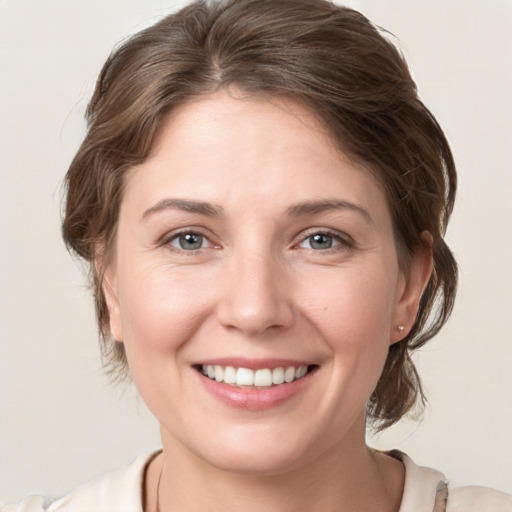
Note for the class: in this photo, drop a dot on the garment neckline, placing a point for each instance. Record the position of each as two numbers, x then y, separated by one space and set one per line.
421 484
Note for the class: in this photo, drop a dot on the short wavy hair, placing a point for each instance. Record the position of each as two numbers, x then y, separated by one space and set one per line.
329 58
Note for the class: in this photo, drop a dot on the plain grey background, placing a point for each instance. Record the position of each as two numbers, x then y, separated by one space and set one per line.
60 421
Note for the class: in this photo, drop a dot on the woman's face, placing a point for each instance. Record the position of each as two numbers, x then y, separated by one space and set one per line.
250 250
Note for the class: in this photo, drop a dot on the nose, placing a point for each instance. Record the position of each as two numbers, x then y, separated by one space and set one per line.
256 295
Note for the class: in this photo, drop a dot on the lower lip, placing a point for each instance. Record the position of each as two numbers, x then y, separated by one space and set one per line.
254 399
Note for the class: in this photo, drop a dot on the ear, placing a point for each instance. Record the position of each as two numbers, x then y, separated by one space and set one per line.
413 282
109 288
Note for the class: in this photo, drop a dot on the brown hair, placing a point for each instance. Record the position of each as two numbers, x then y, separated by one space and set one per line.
329 58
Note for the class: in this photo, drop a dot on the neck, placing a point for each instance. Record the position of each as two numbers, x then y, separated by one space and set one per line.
350 477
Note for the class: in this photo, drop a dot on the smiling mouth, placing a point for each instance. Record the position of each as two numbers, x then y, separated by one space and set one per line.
258 379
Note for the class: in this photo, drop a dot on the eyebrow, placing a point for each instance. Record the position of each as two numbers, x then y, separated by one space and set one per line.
186 205
312 207
296 210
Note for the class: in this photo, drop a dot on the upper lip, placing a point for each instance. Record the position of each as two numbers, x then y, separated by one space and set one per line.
254 364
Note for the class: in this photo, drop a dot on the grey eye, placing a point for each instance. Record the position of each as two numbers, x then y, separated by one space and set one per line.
319 242
188 241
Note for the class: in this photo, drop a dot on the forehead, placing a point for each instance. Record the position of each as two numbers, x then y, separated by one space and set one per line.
224 147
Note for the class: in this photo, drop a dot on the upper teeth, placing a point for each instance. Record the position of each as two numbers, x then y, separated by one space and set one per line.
263 377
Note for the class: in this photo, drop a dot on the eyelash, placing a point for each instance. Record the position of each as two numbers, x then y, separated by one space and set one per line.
175 235
342 240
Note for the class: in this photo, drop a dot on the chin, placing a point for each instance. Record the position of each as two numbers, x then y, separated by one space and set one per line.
255 453
261 464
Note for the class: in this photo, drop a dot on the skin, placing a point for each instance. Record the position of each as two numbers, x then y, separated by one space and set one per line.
259 288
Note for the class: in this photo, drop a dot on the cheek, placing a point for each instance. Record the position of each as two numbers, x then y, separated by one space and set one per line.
161 308
352 308
161 312
352 312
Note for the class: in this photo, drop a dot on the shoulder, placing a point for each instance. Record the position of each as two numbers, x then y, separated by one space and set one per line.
428 490
30 504
478 499
119 490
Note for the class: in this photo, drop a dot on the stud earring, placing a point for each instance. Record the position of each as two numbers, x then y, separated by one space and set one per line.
401 328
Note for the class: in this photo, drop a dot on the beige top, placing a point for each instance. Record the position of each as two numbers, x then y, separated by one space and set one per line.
425 490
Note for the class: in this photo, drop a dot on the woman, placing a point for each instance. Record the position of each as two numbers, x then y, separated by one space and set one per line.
262 198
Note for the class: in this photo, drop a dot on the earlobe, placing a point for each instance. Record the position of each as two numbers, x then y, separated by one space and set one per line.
418 275
114 311
109 288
